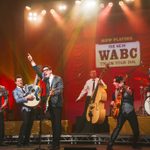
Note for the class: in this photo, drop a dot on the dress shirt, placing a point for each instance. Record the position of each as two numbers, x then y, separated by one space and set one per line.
88 87
51 80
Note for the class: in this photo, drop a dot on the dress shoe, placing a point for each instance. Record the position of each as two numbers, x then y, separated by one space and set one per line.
27 144
135 146
109 147
55 148
20 145
3 144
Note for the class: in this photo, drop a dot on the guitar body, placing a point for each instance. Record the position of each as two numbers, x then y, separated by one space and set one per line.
35 91
115 112
116 107
96 112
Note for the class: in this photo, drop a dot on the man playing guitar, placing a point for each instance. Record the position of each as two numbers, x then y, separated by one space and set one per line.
22 95
126 111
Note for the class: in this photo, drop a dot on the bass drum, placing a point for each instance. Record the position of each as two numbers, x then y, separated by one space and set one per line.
147 105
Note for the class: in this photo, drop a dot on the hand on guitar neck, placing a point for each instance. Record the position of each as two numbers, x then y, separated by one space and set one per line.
51 93
1 109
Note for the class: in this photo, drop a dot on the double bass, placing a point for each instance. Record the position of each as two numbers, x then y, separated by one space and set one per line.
96 112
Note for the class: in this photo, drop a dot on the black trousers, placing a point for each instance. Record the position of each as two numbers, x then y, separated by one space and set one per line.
25 130
1 127
55 116
83 126
132 118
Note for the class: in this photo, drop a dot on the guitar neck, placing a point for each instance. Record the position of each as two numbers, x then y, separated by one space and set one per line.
36 80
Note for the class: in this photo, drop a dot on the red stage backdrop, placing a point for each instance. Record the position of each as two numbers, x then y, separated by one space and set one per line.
70 50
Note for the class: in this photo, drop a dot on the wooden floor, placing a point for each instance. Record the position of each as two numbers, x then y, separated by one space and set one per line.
74 147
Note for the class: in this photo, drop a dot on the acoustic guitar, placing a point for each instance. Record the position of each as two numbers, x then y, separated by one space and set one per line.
35 91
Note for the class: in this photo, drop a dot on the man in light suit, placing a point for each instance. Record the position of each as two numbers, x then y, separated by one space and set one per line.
21 96
54 89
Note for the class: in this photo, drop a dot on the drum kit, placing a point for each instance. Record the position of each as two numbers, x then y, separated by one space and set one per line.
147 103
145 95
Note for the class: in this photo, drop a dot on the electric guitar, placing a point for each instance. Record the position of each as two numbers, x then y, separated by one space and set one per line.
47 102
117 102
35 91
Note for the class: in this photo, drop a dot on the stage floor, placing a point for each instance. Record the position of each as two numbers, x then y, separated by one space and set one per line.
75 147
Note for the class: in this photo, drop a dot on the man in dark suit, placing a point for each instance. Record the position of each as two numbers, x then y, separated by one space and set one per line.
125 95
54 89
3 95
21 96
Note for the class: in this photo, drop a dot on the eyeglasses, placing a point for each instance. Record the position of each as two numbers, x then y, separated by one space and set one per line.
45 69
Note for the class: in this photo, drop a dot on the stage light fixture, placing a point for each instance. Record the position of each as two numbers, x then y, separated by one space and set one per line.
52 11
102 5
28 8
110 4
77 2
62 7
121 3
43 12
34 17
129 1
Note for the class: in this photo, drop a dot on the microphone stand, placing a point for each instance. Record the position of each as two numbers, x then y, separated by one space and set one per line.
40 130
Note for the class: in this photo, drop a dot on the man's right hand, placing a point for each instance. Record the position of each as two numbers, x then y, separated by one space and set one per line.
29 97
112 103
77 100
30 57
31 60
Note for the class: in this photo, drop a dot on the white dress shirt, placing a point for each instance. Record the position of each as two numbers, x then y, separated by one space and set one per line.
88 87
51 79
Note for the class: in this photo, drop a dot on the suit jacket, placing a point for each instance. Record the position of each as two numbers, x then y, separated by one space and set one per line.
19 96
57 85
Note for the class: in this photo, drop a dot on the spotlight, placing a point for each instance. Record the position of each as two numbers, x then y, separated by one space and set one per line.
62 7
43 12
110 4
28 8
102 5
129 1
77 2
52 11
32 16
121 3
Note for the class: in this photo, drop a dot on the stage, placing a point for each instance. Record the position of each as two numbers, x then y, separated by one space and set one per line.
77 141
74 147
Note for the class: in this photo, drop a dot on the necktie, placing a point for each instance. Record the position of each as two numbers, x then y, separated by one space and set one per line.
23 90
93 85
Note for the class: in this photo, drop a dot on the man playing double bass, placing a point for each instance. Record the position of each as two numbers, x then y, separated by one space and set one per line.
88 89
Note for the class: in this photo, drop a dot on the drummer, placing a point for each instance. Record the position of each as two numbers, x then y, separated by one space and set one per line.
148 85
